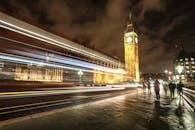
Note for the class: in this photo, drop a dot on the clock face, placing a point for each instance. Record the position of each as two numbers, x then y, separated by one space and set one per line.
129 39
136 40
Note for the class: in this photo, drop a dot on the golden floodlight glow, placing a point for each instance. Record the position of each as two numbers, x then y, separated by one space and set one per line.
131 54
102 77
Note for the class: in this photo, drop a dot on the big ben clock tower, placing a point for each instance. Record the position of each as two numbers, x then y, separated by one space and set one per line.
131 53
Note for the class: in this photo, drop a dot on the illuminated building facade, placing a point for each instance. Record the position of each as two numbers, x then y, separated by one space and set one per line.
131 53
187 61
102 77
34 73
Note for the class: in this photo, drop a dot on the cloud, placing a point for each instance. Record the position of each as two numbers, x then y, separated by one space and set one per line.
101 25
154 57
151 5
171 25
105 33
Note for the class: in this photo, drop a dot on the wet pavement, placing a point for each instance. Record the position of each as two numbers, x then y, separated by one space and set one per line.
133 111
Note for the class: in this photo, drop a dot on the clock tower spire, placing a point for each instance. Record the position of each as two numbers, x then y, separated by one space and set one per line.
131 52
130 23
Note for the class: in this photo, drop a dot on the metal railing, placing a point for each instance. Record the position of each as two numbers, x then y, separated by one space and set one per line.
189 96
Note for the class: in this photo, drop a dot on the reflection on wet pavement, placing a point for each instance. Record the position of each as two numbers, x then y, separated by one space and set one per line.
137 111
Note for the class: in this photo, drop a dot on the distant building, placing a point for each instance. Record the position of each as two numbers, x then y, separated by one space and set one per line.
187 61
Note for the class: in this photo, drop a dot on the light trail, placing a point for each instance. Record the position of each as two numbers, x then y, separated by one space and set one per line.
10 95
70 61
60 59
37 47
20 59
26 29
25 60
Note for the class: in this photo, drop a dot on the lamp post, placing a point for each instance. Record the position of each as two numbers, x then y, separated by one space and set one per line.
170 75
179 70
80 73
166 75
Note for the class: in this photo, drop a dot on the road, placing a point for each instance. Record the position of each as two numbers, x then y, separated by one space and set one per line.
136 111
26 102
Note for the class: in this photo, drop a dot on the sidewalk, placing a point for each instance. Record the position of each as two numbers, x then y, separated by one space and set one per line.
172 114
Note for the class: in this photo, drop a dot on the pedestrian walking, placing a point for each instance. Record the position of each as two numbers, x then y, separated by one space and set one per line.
172 87
165 87
144 87
149 87
180 88
157 89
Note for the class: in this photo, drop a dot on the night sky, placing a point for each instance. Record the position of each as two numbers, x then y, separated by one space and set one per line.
100 24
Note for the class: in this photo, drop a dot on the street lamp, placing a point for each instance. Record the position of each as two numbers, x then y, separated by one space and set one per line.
179 70
170 75
166 76
80 73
